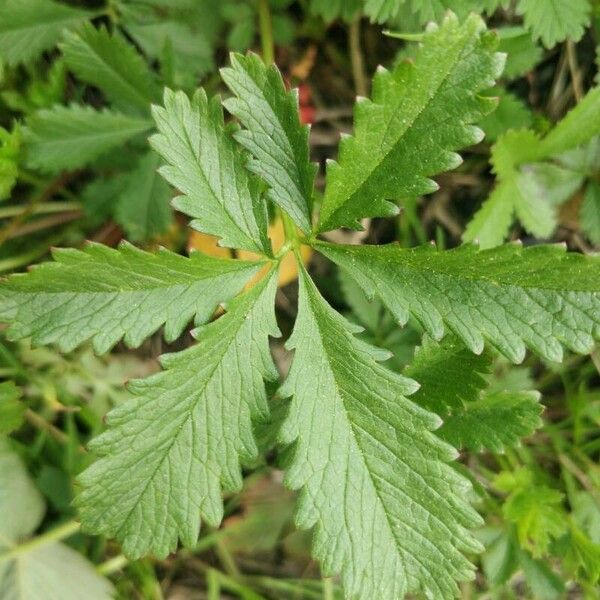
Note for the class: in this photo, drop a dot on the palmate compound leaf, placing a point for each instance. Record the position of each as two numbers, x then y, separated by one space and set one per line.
206 165
511 297
273 134
104 294
419 115
168 451
453 386
389 513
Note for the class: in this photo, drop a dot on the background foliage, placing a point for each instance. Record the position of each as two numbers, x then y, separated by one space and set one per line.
77 81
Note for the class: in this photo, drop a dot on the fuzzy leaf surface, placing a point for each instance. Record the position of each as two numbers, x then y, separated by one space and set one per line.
28 27
205 164
273 134
554 21
104 294
511 297
419 115
113 65
389 513
69 137
169 451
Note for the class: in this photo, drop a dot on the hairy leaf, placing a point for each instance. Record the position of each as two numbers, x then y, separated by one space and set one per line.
273 135
540 297
113 65
420 114
69 137
205 165
28 27
104 294
169 450
553 21
389 514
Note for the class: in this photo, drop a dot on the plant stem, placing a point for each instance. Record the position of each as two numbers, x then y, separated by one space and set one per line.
328 593
265 28
58 533
116 563
213 585
574 70
40 423
41 209
31 207
356 58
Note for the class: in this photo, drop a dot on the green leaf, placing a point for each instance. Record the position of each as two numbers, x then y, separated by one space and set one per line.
335 9
516 192
206 166
534 508
389 513
28 27
143 206
10 150
69 137
540 578
579 126
512 297
169 450
491 224
512 113
179 34
590 212
501 558
583 556
43 571
554 21
11 409
420 114
494 422
105 294
113 65
273 134
450 375
513 193
53 571
523 54
453 386
19 499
